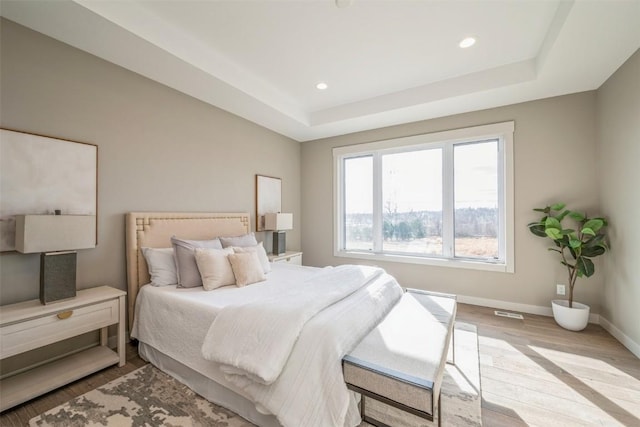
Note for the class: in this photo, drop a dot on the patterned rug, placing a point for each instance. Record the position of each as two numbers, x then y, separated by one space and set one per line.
149 397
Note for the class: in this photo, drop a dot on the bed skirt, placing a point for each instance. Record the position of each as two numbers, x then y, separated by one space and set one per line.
206 387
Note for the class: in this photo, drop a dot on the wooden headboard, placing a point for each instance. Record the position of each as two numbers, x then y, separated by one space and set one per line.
154 230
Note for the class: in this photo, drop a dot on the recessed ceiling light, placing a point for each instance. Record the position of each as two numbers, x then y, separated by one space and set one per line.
467 42
322 86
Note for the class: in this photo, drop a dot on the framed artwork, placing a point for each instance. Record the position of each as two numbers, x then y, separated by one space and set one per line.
268 198
39 175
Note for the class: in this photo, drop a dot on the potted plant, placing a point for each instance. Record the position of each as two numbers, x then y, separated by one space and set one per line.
576 247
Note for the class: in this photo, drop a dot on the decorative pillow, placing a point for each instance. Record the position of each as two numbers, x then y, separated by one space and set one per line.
247 269
240 241
162 266
214 266
260 251
188 273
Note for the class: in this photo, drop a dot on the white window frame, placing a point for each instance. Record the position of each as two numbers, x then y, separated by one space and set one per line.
446 140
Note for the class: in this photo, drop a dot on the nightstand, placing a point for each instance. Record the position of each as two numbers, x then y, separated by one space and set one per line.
29 325
289 257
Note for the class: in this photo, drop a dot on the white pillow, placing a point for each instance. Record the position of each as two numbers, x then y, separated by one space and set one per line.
246 268
214 267
243 241
260 251
162 266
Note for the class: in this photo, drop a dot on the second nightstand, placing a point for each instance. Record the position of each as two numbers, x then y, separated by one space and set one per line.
290 257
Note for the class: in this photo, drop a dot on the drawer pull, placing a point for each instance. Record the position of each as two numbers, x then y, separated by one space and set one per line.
65 314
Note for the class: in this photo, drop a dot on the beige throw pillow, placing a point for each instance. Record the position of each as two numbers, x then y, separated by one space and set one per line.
247 269
260 251
215 268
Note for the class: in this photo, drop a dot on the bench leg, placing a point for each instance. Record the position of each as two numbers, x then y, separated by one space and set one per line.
451 353
367 419
439 410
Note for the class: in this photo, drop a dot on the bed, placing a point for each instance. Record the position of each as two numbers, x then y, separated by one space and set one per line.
183 330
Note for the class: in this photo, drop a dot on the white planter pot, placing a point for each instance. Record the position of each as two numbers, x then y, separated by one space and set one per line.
573 319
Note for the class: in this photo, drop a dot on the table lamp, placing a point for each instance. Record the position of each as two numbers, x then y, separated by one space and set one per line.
278 222
56 238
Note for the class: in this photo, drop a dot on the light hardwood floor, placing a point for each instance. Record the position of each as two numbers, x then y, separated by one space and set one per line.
535 373
532 373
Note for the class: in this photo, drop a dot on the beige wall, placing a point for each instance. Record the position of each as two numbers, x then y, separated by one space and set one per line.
158 149
618 115
554 150
162 150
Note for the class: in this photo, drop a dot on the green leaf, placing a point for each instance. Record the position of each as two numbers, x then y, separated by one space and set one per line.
575 243
558 206
594 224
537 229
593 251
588 231
553 233
562 215
585 267
595 241
573 252
552 222
577 216
543 210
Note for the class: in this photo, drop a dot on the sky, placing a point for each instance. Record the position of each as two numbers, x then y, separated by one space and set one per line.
413 180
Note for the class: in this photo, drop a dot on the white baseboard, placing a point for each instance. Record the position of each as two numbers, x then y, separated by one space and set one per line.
626 341
514 306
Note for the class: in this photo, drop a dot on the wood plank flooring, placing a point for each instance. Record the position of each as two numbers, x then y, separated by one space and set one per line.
533 373
20 415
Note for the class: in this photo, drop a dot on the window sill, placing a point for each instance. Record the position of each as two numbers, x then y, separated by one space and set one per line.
439 262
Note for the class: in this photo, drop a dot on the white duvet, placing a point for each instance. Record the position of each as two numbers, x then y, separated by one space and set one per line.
255 339
309 389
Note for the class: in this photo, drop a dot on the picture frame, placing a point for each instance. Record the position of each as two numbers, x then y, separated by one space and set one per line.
41 174
268 198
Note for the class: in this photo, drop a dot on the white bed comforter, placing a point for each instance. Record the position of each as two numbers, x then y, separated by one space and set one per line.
256 339
285 353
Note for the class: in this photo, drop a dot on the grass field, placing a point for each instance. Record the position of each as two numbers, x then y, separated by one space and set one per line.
476 247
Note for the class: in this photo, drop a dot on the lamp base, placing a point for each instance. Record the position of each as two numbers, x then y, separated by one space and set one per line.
57 276
279 242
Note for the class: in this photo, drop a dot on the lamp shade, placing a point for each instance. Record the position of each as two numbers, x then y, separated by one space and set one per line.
278 221
45 233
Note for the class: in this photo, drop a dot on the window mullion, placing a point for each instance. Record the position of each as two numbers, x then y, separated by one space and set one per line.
447 202
377 203
341 219
501 201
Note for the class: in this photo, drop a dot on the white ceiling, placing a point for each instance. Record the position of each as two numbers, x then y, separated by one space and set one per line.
386 62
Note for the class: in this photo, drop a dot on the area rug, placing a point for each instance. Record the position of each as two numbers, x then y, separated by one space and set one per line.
149 397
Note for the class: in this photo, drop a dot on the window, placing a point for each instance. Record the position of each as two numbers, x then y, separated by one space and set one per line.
444 198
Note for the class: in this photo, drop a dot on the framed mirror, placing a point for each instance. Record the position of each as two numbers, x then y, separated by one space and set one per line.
268 198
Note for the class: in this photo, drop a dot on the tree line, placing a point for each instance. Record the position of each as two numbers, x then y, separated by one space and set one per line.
469 222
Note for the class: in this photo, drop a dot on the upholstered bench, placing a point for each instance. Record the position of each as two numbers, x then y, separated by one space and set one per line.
401 362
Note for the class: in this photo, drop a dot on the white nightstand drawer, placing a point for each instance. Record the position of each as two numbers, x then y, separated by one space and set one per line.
294 259
39 331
